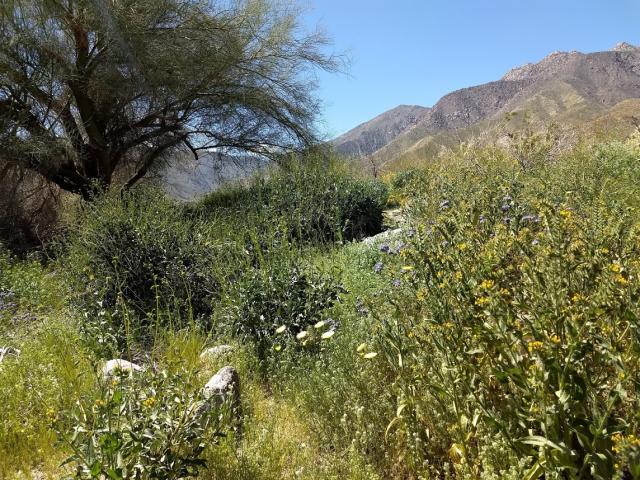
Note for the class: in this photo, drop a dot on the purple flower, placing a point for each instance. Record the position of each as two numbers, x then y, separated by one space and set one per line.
482 219
361 309
378 267
507 220
411 232
397 283
385 248
444 204
505 207
507 198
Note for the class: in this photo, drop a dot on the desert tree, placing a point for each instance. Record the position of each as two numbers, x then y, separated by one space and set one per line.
89 88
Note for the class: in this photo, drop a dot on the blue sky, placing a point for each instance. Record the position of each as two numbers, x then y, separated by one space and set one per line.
413 52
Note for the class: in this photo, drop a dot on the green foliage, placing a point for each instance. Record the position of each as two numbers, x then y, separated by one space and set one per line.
29 285
144 426
311 200
47 377
272 306
517 321
138 256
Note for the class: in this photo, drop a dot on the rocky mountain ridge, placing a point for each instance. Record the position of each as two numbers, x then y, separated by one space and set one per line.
567 86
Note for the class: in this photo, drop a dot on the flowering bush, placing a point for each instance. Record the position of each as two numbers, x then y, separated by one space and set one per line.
145 426
517 323
270 307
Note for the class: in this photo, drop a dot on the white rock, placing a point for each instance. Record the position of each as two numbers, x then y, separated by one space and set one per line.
224 387
7 351
383 237
216 352
114 367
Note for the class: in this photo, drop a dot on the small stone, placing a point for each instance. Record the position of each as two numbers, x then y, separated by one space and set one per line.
115 367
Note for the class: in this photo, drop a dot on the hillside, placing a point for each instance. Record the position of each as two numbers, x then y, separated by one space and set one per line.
569 87
378 132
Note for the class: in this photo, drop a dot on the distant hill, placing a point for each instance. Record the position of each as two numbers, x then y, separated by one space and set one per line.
187 179
571 88
375 134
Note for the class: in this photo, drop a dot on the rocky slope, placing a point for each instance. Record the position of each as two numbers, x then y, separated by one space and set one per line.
570 87
375 134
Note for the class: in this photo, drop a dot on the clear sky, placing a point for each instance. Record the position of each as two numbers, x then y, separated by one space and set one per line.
415 51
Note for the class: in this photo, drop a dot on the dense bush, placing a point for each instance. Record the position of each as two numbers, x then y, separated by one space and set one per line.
314 202
147 426
138 256
516 328
272 306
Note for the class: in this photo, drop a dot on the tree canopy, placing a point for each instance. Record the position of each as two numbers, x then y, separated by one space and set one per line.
89 88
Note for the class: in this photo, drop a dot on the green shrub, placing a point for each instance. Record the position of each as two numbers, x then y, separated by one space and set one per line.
139 258
271 306
315 202
147 426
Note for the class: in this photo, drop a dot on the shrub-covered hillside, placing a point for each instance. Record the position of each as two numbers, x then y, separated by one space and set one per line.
491 332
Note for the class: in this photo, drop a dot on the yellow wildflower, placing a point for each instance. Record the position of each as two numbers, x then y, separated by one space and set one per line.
566 214
621 280
481 301
458 275
535 346
421 294
487 284
149 402
555 339
615 267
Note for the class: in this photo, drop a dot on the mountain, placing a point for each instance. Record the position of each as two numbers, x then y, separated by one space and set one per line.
375 134
571 88
187 179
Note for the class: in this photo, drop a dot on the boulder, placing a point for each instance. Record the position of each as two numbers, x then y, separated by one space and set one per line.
8 351
117 366
224 388
216 352
386 236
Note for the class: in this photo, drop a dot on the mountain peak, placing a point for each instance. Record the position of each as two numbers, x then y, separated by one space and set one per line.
625 47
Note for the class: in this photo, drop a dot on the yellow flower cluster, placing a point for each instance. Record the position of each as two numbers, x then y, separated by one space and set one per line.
149 402
535 346
620 279
487 284
482 301
577 297
566 214
621 441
